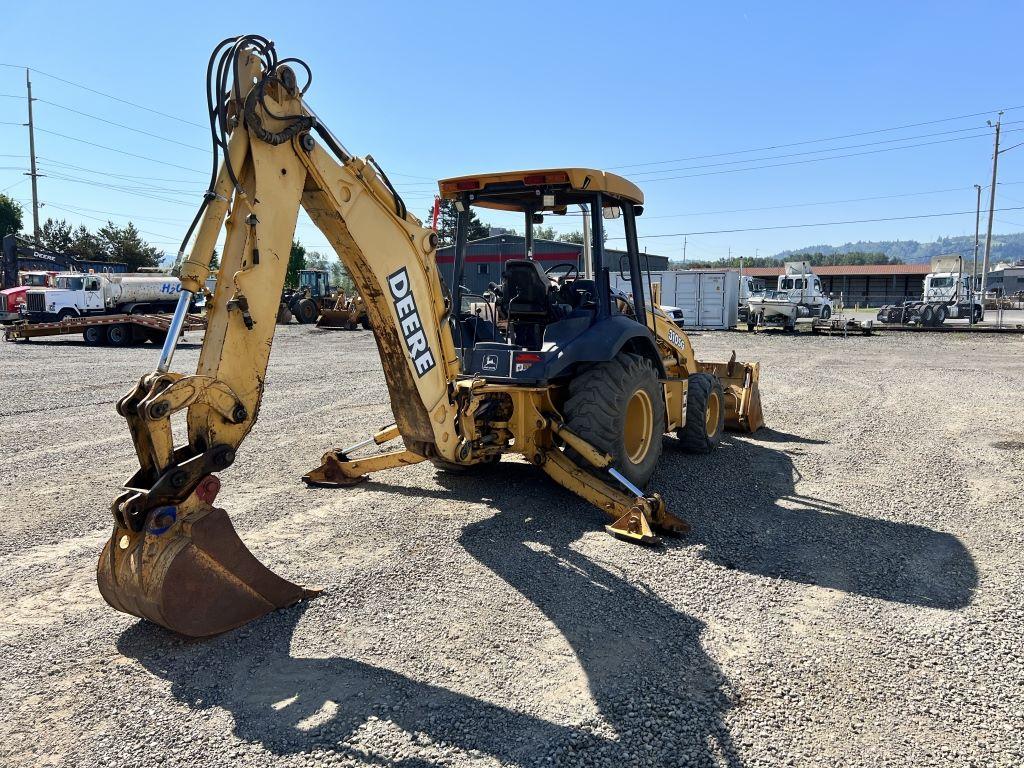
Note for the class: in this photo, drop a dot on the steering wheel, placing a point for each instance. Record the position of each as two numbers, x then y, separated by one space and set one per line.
573 269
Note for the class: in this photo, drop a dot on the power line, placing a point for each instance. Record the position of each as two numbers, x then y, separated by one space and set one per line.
110 173
63 175
76 208
821 159
120 151
821 151
109 96
122 125
816 141
816 224
97 218
129 190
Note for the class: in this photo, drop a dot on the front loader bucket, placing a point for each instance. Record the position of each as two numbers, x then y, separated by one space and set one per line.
335 318
190 572
742 393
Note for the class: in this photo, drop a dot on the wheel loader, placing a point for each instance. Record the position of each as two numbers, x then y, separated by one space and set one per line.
312 298
559 370
348 313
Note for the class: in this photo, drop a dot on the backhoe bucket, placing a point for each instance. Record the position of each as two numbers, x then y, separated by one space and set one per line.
742 393
190 572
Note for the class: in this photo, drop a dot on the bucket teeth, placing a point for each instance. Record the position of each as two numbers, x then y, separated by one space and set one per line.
194 576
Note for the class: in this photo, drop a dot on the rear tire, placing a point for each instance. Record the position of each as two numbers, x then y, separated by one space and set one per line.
366 323
705 414
927 315
305 311
619 408
978 313
95 335
751 326
940 316
118 335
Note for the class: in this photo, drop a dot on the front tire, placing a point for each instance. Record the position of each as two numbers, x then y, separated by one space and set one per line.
705 414
305 311
826 312
619 408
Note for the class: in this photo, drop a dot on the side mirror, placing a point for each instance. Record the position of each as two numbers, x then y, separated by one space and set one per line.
611 212
537 218
638 210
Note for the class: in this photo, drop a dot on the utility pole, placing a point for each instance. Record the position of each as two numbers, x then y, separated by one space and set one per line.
991 212
684 250
32 161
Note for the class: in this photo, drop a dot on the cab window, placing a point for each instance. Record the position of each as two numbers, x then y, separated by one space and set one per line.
92 284
799 282
70 283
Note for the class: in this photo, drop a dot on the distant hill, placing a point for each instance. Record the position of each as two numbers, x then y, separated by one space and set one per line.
1004 248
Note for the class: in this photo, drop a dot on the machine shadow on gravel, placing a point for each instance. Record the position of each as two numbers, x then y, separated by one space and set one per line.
660 697
761 525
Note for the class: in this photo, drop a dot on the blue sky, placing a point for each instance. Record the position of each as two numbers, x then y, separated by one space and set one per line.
438 89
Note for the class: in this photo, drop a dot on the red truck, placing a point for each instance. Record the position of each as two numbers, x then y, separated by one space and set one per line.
11 299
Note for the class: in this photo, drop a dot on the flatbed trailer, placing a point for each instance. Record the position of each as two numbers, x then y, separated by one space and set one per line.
982 327
842 326
109 330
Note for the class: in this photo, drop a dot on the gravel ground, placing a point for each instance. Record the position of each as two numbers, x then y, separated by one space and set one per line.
851 593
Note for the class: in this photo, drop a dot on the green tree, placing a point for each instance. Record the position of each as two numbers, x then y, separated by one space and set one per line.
572 237
56 236
340 278
10 216
125 244
214 260
296 262
447 222
544 233
85 245
316 260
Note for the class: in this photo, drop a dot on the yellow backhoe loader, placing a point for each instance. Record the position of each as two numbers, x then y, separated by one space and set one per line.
557 368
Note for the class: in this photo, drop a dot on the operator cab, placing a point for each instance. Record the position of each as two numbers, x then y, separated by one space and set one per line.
542 320
315 280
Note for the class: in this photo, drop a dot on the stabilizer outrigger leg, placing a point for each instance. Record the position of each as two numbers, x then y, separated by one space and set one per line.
337 469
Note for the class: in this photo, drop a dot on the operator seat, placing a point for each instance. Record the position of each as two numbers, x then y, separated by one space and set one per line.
526 291
527 301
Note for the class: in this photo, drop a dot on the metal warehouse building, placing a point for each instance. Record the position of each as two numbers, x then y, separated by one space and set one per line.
869 285
485 258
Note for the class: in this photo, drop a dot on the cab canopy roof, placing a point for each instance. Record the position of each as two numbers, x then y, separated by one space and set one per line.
515 190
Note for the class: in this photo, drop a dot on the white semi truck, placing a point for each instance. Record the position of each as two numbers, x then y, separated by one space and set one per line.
948 295
82 294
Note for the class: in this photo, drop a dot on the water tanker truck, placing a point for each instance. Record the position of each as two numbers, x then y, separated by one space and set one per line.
84 294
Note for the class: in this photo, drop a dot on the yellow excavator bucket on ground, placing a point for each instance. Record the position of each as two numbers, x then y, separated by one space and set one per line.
199 581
